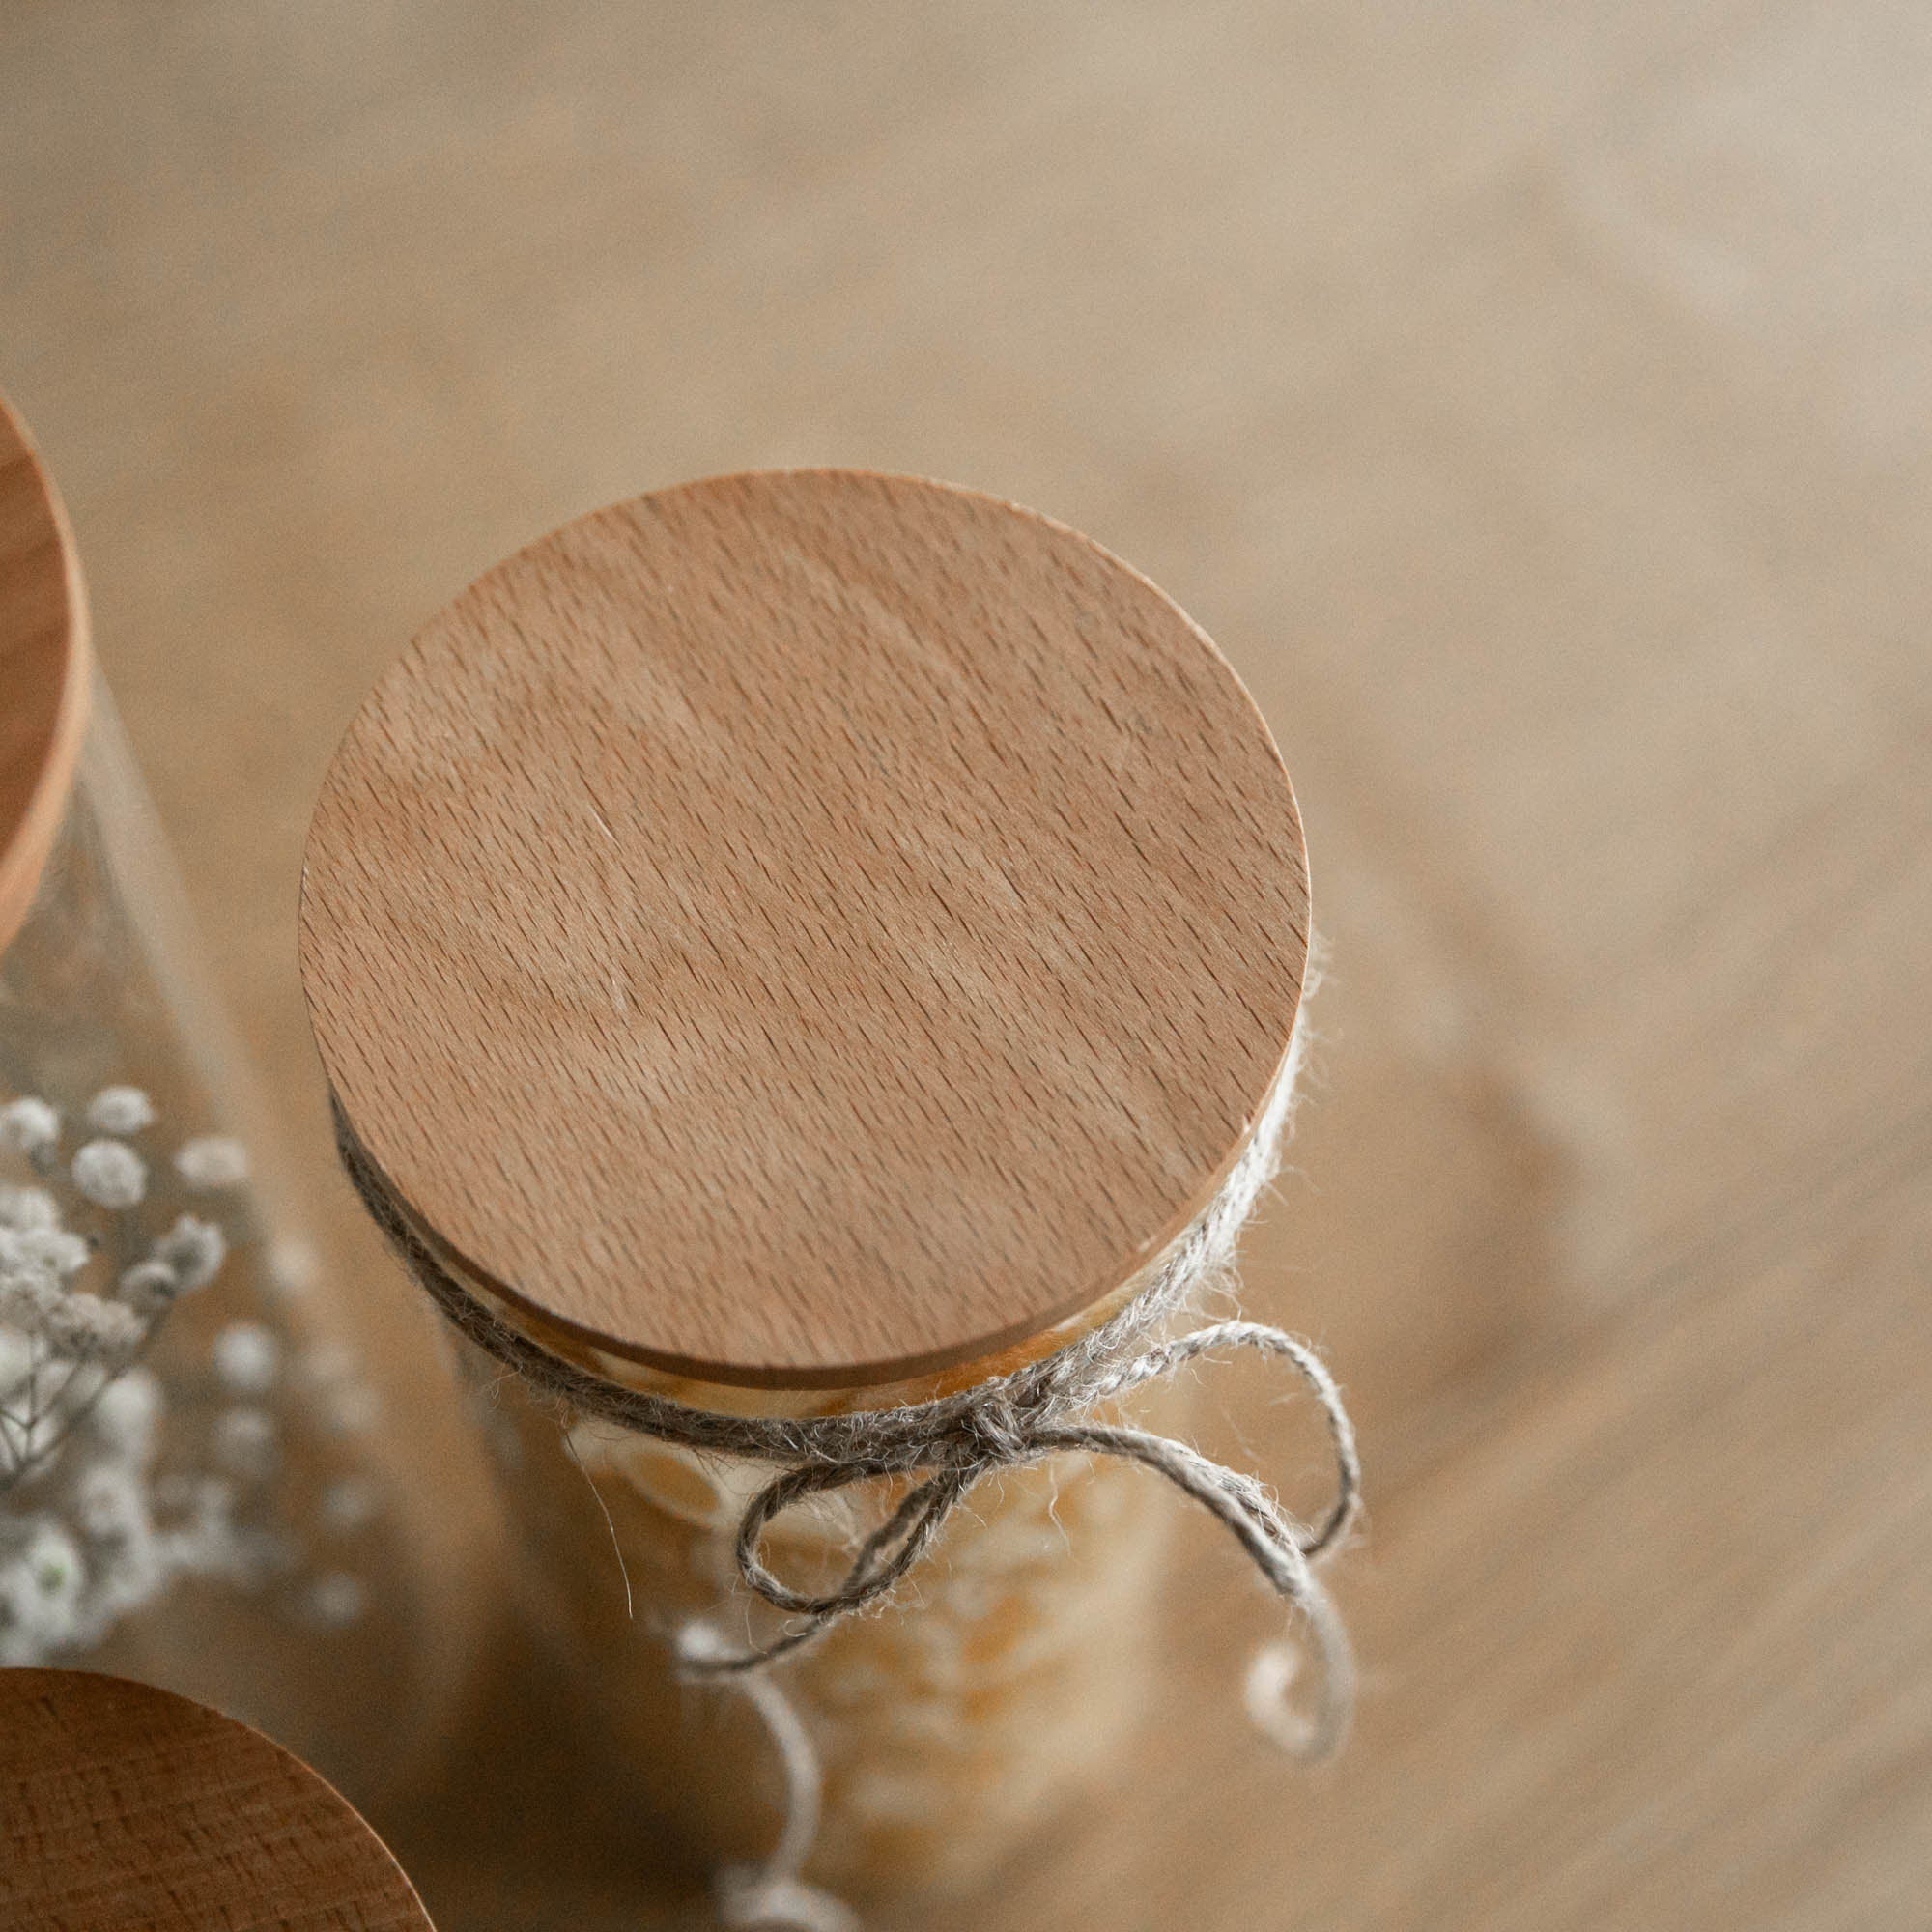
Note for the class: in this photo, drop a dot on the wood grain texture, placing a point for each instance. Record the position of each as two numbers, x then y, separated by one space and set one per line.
1531 399
126 1810
44 663
805 928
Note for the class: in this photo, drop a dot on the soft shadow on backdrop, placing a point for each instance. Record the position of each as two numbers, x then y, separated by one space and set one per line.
1533 401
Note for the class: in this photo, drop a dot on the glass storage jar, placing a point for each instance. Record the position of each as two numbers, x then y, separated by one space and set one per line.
802 946
190 1486
949 1727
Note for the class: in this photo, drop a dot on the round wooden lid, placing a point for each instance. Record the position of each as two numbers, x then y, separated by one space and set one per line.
124 1808
44 659
805 928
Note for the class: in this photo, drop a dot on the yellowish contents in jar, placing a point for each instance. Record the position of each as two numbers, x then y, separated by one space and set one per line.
1002 1679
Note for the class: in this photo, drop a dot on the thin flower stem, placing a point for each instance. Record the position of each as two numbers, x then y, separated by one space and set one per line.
38 1457
132 1360
34 1365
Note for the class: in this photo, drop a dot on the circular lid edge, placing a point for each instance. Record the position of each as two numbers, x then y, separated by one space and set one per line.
795 1373
178 1768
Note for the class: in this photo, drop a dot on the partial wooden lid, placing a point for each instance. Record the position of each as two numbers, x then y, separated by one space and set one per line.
124 1808
805 928
44 668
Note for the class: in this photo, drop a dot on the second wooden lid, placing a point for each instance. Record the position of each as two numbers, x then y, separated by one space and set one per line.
805 928
124 1808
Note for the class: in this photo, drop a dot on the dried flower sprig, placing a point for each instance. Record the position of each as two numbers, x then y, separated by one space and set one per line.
90 1529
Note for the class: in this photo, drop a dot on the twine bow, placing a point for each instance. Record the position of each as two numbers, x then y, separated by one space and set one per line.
1032 1422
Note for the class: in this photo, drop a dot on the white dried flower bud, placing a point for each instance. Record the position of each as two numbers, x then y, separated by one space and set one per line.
51 1251
20 1642
29 1125
246 1357
212 1160
336 1599
26 1294
203 1541
110 1174
110 1503
120 1110
348 1505
84 1328
148 1287
127 1414
194 1249
246 1444
130 1571
28 1208
55 1568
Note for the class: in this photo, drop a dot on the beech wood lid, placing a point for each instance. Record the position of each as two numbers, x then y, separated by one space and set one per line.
124 1808
804 928
43 665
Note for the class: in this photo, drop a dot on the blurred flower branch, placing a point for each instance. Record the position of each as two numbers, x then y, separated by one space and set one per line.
87 1284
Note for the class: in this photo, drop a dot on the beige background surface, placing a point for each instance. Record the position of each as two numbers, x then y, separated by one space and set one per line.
1533 400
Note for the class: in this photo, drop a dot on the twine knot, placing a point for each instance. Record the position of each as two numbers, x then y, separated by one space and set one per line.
994 1432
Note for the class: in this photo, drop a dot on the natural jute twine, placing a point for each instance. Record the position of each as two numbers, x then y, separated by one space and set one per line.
945 1447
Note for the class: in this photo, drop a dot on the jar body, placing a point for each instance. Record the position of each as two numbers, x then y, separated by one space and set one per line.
190 1487
1000 1682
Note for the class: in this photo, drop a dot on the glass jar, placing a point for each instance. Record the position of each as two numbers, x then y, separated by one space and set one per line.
793 946
190 1487
986 1697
